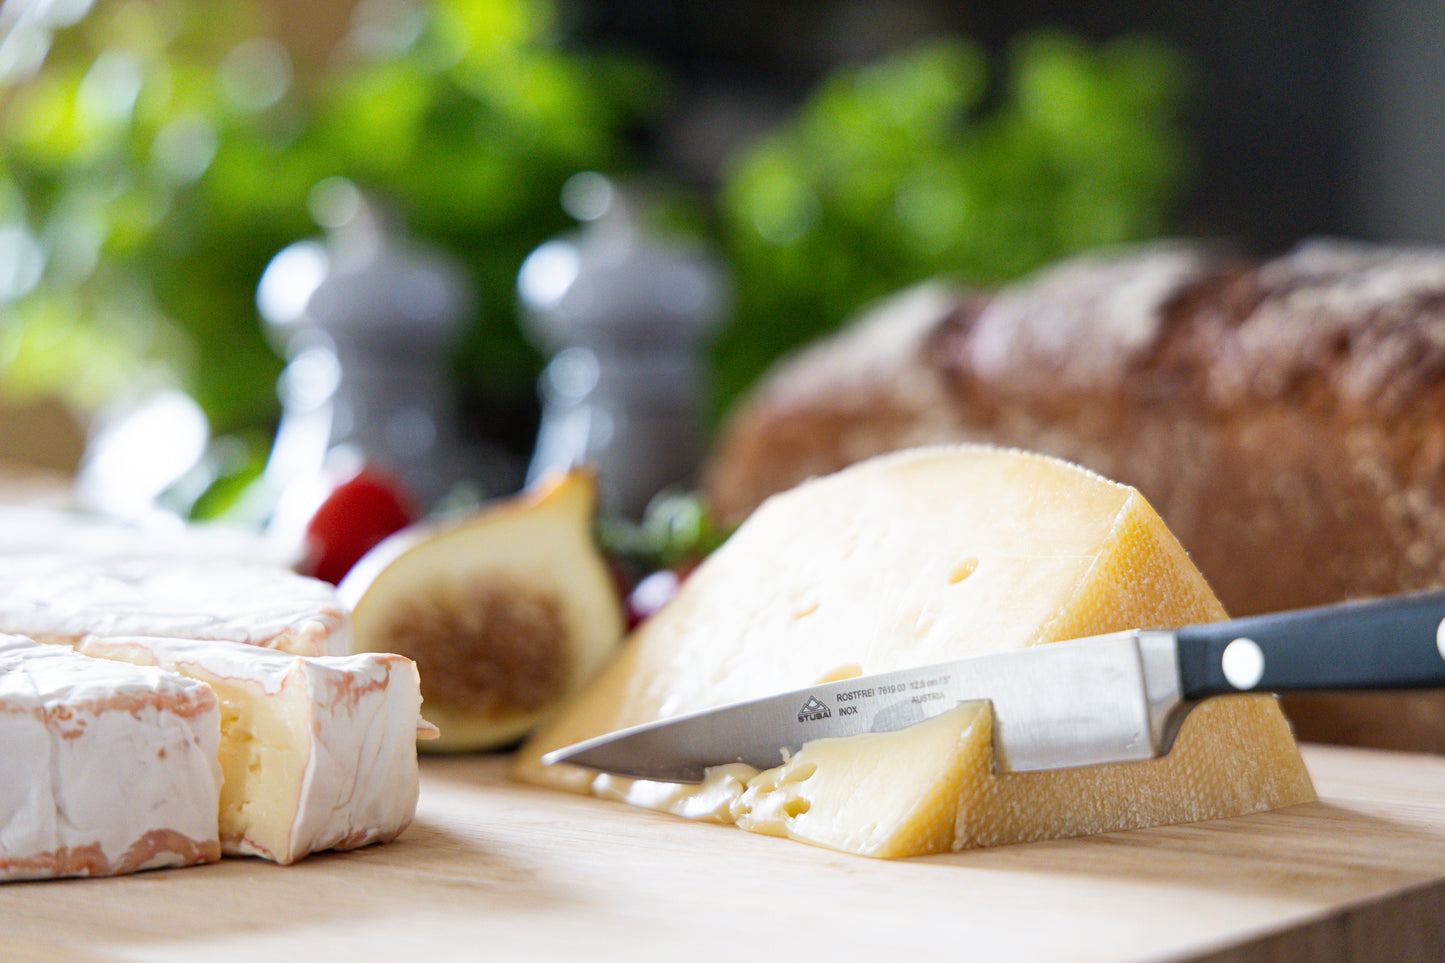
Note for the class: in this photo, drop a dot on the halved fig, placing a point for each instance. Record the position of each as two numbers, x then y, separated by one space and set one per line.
507 611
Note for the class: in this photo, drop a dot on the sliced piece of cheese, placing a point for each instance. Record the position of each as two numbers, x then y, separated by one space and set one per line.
318 753
881 794
108 768
62 595
923 556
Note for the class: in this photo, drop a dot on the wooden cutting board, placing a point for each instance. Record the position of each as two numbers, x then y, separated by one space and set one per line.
496 870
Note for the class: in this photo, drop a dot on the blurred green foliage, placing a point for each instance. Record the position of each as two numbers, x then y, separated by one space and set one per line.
168 149
939 162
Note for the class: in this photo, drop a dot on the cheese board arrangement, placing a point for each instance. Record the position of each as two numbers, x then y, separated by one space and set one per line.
1205 834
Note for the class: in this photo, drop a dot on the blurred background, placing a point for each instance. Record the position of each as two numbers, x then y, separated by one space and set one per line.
246 246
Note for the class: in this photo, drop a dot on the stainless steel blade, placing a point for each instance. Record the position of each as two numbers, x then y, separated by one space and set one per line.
1106 699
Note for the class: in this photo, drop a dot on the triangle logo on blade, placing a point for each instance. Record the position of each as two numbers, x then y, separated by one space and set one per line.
813 710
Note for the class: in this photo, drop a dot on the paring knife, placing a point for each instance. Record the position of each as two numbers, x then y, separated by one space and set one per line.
1112 698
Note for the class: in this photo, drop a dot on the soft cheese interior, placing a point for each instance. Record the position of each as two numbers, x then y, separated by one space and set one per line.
318 753
108 768
912 558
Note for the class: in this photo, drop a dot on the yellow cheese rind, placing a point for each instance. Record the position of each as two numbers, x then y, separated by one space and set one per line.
1231 758
924 556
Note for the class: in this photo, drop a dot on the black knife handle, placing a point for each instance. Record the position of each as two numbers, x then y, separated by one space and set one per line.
1391 643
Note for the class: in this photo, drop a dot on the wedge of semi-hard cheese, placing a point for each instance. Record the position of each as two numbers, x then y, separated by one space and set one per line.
318 753
108 768
912 558
61 596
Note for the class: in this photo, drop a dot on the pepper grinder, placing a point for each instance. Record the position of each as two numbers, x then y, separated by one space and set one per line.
365 317
622 316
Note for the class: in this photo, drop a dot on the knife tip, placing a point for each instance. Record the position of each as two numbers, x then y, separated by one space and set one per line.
568 753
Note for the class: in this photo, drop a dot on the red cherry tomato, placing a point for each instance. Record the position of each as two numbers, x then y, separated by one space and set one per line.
358 514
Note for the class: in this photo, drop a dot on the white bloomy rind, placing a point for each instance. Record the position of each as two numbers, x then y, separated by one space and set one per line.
318 753
61 596
109 768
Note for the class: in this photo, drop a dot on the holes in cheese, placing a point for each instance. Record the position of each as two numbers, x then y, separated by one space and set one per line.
963 570
879 794
1060 553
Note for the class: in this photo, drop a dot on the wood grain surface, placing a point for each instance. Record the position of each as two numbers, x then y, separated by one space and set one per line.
500 871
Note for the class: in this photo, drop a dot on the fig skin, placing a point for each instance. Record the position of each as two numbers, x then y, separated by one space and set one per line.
508 611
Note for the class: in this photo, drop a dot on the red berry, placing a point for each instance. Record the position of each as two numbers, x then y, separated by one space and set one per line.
358 514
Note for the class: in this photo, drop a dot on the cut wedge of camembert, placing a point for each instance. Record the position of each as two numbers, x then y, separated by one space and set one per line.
912 558
318 752
108 768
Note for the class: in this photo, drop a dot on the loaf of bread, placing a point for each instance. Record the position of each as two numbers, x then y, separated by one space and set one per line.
1286 417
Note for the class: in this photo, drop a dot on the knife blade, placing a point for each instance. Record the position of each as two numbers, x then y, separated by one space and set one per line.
1113 698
